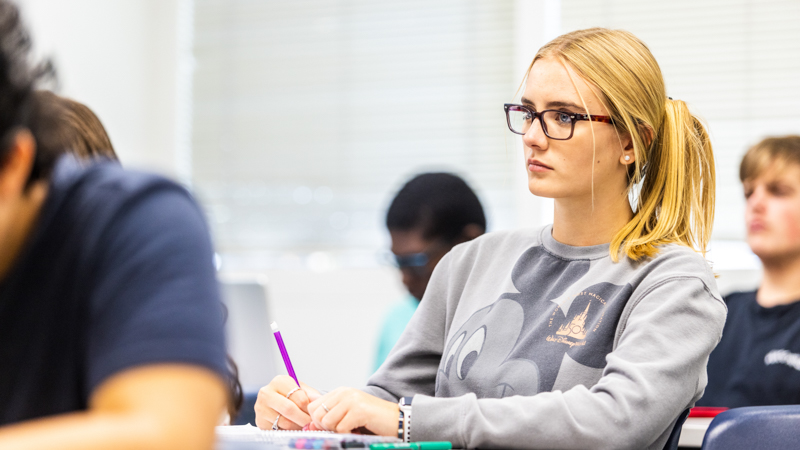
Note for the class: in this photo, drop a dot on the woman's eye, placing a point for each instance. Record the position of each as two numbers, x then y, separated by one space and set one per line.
564 118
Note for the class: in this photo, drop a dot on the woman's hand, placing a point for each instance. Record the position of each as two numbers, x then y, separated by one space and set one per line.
344 410
272 401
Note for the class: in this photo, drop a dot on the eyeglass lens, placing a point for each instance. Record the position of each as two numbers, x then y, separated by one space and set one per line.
412 260
556 124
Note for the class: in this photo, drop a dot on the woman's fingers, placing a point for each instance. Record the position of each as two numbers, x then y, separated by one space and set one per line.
266 424
345 409
261 420
316 412
312 394
322 406
332 419
289 410
299 397
273 400
350 422
329 399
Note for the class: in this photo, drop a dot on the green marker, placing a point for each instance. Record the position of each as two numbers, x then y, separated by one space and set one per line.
441 445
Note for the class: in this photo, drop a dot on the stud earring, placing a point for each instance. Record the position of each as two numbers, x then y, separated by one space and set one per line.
627 158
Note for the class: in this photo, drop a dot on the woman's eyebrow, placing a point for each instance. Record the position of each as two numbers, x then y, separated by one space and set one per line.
564 105
554 104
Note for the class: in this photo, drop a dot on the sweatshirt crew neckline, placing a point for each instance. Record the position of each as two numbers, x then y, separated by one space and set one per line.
565 251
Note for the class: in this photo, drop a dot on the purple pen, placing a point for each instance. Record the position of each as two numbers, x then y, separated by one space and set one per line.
285 355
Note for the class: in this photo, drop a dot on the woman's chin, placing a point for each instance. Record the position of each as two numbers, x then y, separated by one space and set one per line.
536 188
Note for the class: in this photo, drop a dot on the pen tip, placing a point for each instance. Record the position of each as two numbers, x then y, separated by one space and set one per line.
274 326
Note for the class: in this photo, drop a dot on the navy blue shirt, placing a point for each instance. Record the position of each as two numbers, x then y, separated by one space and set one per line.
757 361
117 272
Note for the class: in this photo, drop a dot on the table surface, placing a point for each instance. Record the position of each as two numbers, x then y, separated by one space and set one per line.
693 431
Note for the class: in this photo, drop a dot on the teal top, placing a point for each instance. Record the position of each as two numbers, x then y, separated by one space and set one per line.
394 323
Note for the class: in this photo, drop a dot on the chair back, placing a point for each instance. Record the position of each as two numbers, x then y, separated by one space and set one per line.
247 414
754 427
675 435
250 340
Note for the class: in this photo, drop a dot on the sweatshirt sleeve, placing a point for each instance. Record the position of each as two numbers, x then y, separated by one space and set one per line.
411 366
656 370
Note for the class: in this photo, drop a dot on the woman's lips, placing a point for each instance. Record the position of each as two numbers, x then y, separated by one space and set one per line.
538 166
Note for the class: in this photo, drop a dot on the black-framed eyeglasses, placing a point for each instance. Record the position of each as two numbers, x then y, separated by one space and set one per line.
558 125
418 262
413 260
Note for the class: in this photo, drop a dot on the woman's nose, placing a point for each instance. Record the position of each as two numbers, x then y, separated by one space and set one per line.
535 136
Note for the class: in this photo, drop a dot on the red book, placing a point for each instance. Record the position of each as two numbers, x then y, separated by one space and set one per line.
706 411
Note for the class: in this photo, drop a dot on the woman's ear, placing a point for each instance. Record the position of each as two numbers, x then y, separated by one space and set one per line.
628 155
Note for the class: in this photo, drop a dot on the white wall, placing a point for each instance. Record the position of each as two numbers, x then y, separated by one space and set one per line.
121 59
330 320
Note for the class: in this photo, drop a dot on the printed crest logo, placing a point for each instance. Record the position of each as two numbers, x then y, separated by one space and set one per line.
576 328
579 321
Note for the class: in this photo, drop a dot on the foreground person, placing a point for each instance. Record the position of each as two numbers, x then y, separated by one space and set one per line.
111 332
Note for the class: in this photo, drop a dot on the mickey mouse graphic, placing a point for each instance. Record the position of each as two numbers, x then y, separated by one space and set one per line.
540 339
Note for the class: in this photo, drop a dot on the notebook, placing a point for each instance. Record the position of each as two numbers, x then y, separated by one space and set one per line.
250 437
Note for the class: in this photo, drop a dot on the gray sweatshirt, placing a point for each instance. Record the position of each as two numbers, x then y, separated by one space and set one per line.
523 342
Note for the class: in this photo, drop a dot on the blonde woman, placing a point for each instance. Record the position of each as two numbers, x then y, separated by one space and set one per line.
592 332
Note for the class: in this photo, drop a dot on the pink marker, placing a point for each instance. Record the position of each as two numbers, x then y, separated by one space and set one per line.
282 348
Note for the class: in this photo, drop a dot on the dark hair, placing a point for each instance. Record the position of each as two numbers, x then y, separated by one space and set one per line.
235 393
438 204
17 75
60 126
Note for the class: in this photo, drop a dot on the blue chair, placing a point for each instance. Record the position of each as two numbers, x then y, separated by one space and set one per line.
754 427
247 414
675 435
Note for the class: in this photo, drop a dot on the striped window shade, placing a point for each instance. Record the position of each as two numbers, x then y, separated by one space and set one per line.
309 115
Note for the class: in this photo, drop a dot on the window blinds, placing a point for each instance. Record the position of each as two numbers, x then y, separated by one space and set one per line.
308 116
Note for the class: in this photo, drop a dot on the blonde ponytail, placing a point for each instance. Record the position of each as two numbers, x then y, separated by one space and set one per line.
676 200
674 162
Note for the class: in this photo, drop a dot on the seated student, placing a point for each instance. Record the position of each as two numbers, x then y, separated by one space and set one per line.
61 125
593 332
757 362
430 214
110 318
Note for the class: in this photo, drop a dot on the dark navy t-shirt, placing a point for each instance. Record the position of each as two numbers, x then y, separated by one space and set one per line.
117 272
757 361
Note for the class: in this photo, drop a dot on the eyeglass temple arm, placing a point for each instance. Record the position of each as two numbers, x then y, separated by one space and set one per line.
604 119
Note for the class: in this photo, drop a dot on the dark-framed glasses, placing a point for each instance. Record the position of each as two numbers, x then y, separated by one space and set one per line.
418 262
413 260
558 125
